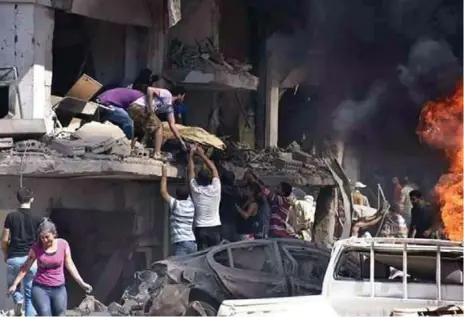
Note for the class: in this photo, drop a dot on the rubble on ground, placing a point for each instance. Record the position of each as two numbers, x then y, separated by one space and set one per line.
292 164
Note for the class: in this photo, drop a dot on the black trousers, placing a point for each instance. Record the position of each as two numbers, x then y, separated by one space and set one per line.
207 237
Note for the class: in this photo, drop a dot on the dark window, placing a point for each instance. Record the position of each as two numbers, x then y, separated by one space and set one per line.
259 258
221 257
4 101
310 266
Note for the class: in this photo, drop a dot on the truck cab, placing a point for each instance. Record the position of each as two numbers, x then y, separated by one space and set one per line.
377 277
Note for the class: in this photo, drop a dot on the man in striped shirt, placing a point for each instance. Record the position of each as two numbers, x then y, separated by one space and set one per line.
182 214
280 209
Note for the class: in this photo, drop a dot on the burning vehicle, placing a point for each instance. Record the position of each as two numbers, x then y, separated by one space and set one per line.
198 283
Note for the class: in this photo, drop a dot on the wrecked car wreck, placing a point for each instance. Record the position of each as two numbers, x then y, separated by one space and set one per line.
196 284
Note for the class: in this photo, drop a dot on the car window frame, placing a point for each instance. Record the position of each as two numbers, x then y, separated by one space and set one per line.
216 266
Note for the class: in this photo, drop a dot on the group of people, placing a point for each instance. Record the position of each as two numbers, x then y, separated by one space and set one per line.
36 258
214 207
140 111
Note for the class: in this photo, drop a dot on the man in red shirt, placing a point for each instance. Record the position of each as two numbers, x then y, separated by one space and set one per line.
280 208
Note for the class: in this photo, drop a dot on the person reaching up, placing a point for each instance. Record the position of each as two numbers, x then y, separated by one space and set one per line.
205 190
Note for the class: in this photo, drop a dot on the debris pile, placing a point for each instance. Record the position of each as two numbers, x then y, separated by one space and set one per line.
205 52
291 164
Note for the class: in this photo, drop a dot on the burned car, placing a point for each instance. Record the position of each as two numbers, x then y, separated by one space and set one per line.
197 284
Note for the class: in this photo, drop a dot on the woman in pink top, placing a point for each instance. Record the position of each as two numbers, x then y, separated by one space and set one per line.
49 295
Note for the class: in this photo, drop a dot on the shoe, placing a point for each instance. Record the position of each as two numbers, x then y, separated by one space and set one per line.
159 157
18 309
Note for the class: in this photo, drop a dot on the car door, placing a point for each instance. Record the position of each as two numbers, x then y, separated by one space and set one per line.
305 268
250 269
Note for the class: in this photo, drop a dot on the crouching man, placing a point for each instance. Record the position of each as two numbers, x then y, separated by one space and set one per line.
130 112
182 214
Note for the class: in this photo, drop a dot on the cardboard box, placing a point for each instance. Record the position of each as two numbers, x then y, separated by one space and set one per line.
85 88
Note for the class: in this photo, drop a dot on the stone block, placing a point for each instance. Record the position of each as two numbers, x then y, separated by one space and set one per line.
285 156
29 145
68 147
288 165
302 157
122 147
6 143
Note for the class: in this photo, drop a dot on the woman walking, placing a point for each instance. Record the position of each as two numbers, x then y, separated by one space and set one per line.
49 295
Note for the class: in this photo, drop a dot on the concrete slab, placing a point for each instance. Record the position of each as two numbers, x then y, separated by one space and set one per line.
69 147
94 166
22 128
213 79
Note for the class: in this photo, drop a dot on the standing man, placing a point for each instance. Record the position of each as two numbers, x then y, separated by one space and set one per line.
182 214
205 190
280 209
405 201
130 112
19 234
422 217
397 194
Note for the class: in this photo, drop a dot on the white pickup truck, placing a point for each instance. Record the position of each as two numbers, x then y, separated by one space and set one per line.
365 278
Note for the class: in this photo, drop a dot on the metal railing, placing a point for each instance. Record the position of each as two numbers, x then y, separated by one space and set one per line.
396 243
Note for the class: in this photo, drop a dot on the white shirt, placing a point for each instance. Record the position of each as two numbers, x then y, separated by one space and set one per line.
206 200
406 200
182 214
162 103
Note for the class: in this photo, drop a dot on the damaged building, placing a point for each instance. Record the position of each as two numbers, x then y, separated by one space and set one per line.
56 54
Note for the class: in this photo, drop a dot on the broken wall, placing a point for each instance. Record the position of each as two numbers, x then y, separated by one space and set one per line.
94 210
26 32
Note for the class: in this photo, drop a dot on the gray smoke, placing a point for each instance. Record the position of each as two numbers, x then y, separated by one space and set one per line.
349 113
431 71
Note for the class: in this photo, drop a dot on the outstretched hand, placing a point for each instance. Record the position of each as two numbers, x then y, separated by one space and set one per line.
164 170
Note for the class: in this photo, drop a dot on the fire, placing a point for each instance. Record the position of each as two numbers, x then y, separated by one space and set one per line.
440 126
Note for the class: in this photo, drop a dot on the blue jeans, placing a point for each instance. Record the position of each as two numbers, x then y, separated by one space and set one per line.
13 266
119 117
184 248
50 301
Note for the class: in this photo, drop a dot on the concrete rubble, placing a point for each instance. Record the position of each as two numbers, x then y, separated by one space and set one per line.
274 165
94 149
205 64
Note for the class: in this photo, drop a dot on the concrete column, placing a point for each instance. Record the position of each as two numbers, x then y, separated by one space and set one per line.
26 42
131 45
272 97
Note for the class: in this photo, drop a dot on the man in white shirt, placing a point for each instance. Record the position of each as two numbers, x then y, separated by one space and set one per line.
405 204
182 214
205 191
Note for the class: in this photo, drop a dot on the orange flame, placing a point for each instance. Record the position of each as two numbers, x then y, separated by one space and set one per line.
440 126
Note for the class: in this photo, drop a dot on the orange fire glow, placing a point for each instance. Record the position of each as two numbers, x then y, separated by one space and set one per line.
440 126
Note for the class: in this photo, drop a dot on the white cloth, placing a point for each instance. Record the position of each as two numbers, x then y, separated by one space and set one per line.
162 103
303 218
206 200
182 215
